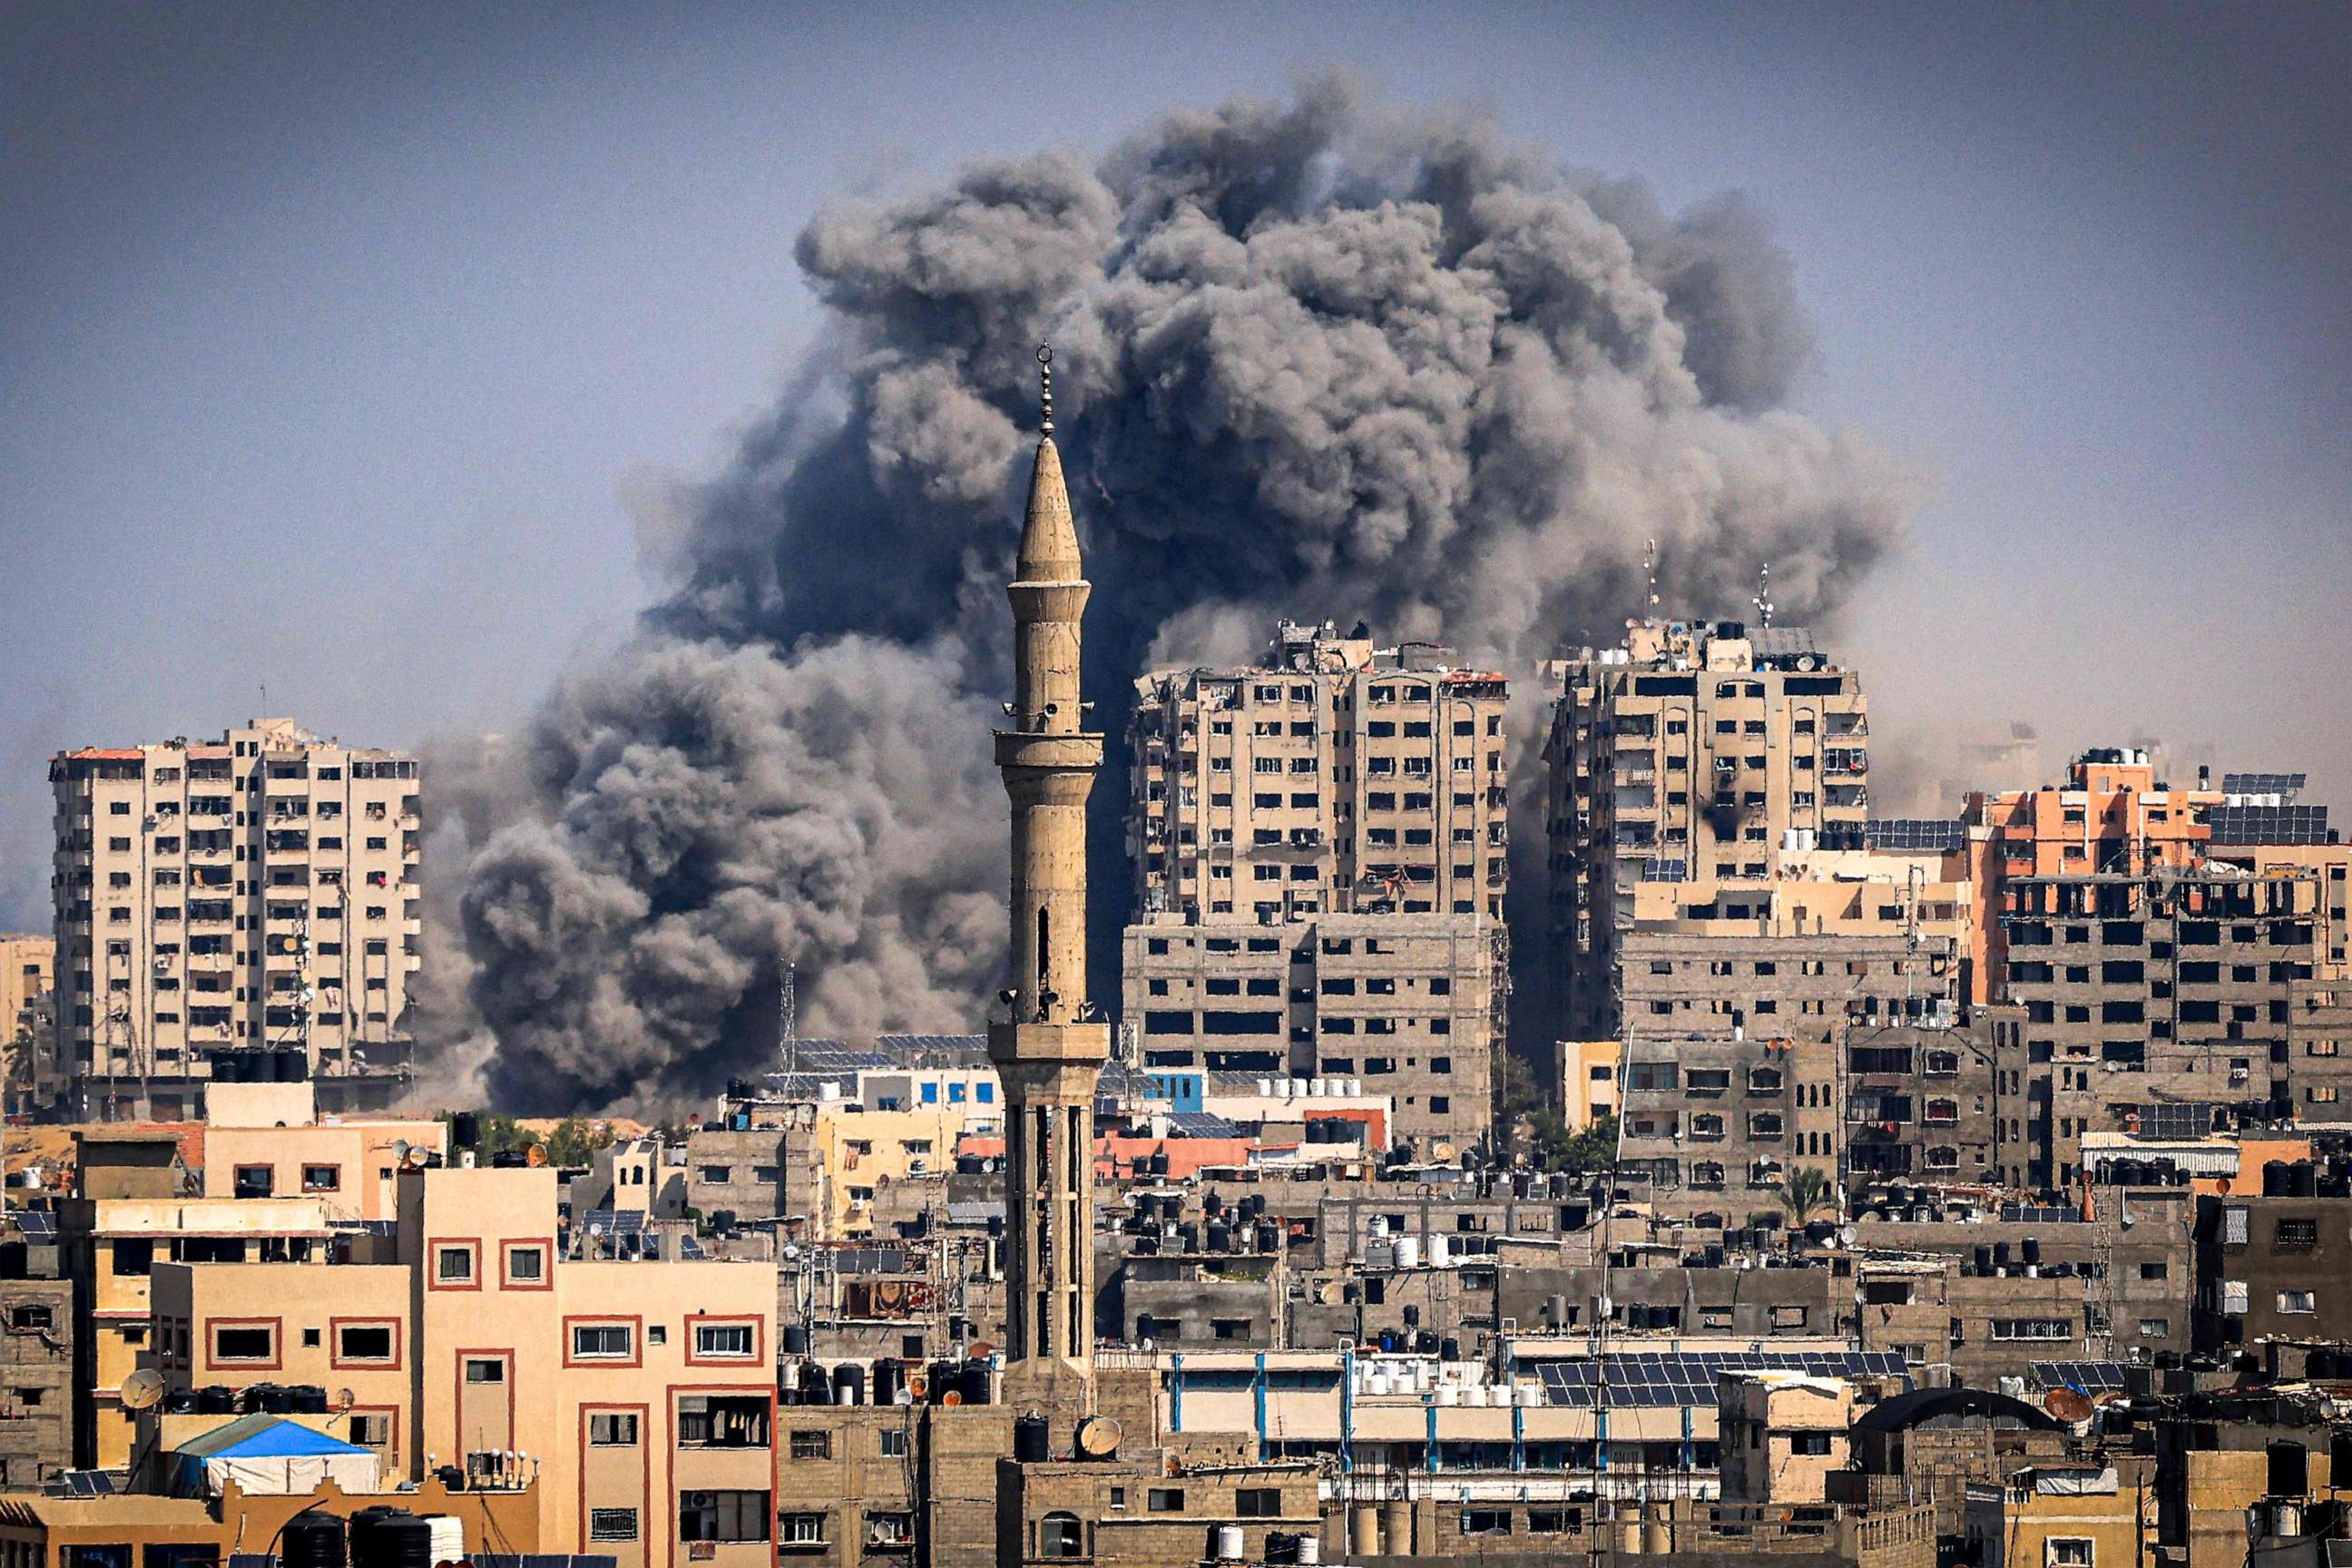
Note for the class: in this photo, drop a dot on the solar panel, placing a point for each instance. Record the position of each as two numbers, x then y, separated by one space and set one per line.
2170 1120
2269 824
2037 1214
1663 870
1673 1380
2087 1376
2261 784
1916 833
37 1223
81 1483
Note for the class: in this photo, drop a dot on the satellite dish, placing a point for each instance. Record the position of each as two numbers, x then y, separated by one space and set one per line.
1848 1234
535 1156
1098 1437
415 1157
143 1389
345 1399
2068 1405
400 1149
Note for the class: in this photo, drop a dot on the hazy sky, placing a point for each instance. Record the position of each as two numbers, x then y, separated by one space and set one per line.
334 339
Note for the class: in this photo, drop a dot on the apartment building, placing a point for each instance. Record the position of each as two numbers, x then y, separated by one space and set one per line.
1713 1127
1803 987
222 897
1407 1003
37 1354
642 1389
28 971
1686 754
1335 777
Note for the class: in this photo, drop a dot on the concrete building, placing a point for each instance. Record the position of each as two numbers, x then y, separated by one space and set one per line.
27 972
221 898
1687 753
1587 1077
1408 1003
2058 1516
1801 987
1713 1127
37 1354
1335 777
1782 1435
2266 1258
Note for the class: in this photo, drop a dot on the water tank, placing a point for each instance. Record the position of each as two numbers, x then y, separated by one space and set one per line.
448 1537
2289 1470
1311 1550
314 1541
1032 1439
1221 1237
390 1538
1229 1543
217 1399
849 1383
2303 1180
1447 1393
1266 1088
815 1387
1438 1250
2275 1180
1269 1238
1212 1205
1408 1252
972 1382
2030 1249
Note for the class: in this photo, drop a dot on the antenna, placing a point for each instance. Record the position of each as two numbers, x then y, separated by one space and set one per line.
788 1008
1763 600
1650 571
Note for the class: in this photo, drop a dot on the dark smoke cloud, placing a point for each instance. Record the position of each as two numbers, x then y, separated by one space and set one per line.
1317 358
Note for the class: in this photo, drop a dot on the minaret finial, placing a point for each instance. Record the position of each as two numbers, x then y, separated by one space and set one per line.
1650 571
1045 387
1764 593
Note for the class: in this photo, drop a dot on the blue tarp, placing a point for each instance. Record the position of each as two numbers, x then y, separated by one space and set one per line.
260 1437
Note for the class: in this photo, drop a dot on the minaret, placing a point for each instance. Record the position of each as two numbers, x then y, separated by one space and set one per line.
1050 1052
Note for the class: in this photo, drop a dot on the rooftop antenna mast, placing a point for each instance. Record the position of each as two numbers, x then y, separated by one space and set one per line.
1650 571
1763 600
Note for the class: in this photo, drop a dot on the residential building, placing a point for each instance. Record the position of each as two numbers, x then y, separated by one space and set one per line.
37 1354
2265 1258
2058 1516
1782 1435
1587 1077
1408 1003
1335 777
217 898
27 972
1686 754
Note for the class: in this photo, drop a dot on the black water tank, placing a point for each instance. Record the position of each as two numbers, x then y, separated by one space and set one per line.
1449 1349
1269 1238
2340 1460
2000 1255
2031 1249
1221 1238
795 1340
1255 1205
1031 1440
2276 1180
2289 1470
1212 1205
2304 1180
307 1399
313 1541
217 1399
1984 1259
390 1538
466 1129
849 1383
888 1379
972 1383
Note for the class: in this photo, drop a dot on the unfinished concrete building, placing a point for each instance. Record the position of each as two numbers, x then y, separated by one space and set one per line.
1714 1127
1409 1005
1688 754
1803 987
1335 777
252 893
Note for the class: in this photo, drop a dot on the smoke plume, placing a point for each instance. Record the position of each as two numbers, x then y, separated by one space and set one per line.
1318 358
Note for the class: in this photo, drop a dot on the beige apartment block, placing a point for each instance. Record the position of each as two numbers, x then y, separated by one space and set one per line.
27 971
1690 753
259 891
1335 777
1408 1003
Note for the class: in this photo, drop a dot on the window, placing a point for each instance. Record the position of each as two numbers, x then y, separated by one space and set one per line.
723 1421
800 1529
1061 1535
812 1445
370 1429
131 1256
1258 1503
612 1525
255 1181
1164 1500
364 1341
2298 1234
2297 1302
244 1342
602 1342
526 1266
613 1429
722 1516
322 1178
1809 1443
485 1369
894 1443
731 1341
2069 1552
453 1267
1487 1522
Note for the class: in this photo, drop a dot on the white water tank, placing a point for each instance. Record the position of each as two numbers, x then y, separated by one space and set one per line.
1229 1543
1379 1227
1381 1384
1448 1394
1438 1253
1310 1550
1292 1088
1356 1087
1266 1088
446 1534
1408 1252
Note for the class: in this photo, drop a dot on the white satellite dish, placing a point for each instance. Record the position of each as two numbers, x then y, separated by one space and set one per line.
143 1389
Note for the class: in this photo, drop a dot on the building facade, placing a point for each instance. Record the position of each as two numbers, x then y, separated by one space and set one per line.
1335 777
259 891
1688 754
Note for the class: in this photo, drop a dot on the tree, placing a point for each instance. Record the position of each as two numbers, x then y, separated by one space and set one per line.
1559 1147
1803 1192
573 1142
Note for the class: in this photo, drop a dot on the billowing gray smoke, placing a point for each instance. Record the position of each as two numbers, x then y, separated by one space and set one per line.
1318 359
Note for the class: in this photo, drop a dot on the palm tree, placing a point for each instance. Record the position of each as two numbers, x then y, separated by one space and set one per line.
1803 1192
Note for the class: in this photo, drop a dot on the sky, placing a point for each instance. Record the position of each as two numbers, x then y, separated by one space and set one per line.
338 343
